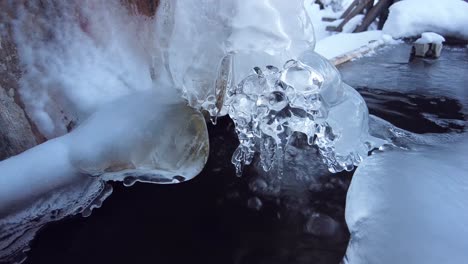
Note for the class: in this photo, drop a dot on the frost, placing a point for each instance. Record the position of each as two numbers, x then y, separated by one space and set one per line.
77 56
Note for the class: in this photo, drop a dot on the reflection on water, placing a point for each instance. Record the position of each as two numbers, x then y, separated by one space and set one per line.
392 69
414 112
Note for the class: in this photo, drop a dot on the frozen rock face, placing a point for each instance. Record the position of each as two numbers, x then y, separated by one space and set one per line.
208 45
304 96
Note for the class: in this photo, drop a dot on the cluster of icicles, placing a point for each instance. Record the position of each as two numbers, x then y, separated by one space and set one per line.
304 96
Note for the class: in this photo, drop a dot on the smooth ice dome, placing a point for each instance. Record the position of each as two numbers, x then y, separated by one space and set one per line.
409 206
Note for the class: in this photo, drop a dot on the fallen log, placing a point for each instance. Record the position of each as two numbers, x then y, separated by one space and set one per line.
357 53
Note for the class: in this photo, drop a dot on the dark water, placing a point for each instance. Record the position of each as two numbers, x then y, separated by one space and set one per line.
207 220
416 94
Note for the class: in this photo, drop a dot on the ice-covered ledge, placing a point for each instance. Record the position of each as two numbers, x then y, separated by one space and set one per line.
145 137
131 137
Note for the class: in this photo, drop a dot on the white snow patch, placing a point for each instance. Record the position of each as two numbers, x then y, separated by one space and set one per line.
342 43
352 24
413 17
430 37
78 56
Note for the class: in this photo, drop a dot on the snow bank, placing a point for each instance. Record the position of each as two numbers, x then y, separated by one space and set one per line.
409 206
413 17
342 43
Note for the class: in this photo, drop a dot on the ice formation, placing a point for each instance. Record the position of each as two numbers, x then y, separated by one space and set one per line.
119 77
305 96
261 70
409 205
210 45
124 141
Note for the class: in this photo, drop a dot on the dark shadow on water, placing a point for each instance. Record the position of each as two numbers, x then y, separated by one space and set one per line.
414 112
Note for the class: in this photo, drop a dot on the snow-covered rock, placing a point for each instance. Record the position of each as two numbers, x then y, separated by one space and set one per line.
430 37
410 18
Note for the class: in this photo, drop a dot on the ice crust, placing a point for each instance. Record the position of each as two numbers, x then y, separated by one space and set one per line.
408 205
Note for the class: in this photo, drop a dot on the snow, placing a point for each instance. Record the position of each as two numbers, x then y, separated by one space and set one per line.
410 18
409 206
342 43
430 37
75 63
316 15
353 23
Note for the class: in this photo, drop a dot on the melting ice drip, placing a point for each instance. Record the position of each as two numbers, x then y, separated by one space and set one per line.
305 96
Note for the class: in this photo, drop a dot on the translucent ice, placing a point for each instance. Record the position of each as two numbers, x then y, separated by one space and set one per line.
146 137
228 60
305 96
209 45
